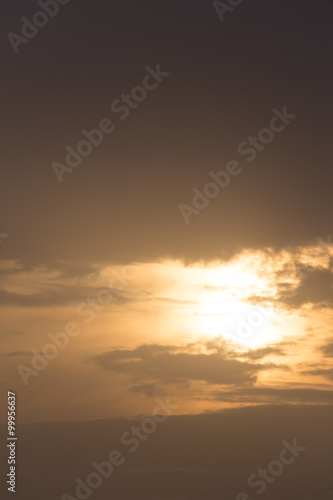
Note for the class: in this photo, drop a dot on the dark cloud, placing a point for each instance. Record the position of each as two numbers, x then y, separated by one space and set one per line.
56 285
69 270
60 295
263 352
270 395
65 270
315 288
227 349
160 362
321 372
327 350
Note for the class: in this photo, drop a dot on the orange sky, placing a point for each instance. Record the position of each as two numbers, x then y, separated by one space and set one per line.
258 321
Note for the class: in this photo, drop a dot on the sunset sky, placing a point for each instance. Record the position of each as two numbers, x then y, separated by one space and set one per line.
188 255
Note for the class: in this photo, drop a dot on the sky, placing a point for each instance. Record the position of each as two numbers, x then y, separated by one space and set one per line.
166 251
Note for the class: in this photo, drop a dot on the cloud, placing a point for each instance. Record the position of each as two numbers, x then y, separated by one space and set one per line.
315 288
327 350
58 284
320 372
63 269
263 352
270 395
57 295
150 390
75 270
15 354
148 362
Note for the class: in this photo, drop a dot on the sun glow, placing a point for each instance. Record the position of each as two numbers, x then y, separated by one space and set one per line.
229 300
223 314
240 301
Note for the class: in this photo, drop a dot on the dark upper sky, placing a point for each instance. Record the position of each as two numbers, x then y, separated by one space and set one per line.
225 77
